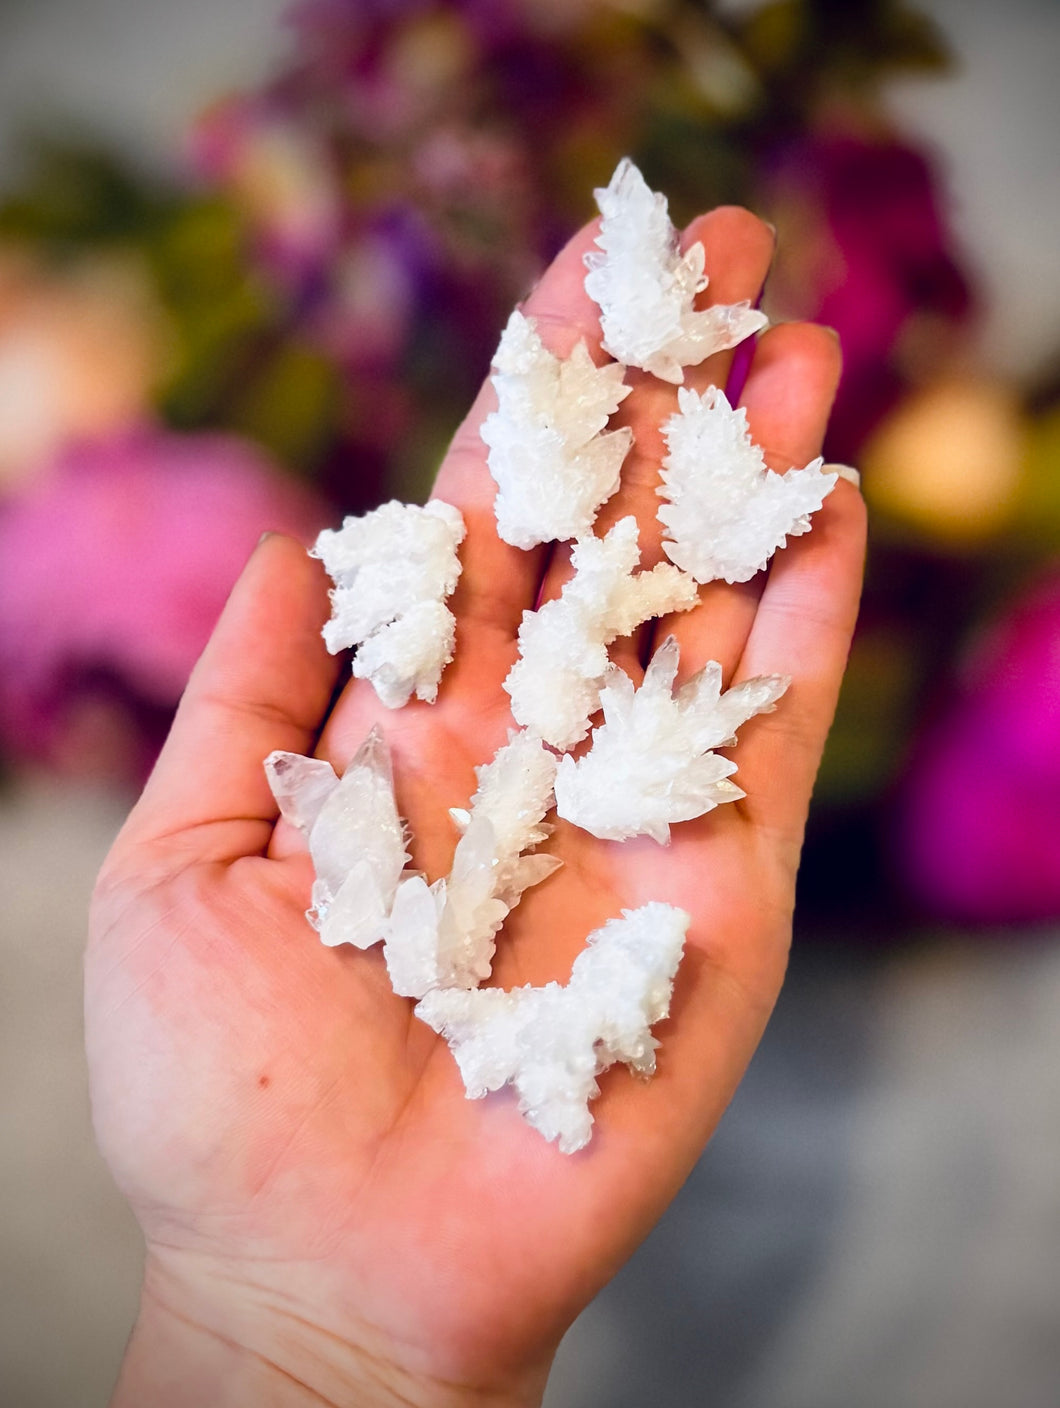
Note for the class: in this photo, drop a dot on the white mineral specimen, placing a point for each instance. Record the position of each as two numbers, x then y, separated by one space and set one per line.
646 288
443 935
651 762
553 463
393 569
555 683
726 512
436 935
356 837
552 1042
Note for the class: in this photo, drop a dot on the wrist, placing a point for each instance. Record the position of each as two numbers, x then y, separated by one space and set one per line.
207 1339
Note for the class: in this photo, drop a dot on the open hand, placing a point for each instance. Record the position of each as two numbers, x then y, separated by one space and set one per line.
328 1219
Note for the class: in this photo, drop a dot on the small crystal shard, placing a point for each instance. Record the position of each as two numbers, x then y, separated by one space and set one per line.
551 1043
356 837
646 288
444 935
726 512
300 786
548 451
651 762
393 569
555 683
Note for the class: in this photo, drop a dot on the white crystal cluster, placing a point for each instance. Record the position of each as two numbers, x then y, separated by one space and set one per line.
550 1043
651 762
555 683
439 935
443 935
549 453
726 512
393 569
646 288
356 837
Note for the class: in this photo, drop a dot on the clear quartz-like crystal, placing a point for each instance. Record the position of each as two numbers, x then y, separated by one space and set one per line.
651 762
356 837
555 683
548 451
726 513
646 288
393 569
300 786
551 1043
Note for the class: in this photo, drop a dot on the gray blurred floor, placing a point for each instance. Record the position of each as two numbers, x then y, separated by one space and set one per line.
69 1249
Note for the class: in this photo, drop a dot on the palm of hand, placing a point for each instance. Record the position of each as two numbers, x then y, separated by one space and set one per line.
270 1106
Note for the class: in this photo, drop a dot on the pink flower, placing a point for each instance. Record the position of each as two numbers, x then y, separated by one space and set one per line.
979 835
113 569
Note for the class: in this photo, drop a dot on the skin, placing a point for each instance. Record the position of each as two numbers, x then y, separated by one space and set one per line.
328 1220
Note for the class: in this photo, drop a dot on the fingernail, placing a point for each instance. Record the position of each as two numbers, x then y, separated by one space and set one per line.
268 533
845 471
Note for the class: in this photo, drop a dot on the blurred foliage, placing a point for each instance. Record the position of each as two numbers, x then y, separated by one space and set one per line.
470 137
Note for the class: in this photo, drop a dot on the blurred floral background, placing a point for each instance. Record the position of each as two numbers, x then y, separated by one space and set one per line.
282 319
287 323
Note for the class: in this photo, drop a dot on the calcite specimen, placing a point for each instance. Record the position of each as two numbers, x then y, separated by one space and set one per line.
356 837
393 569
651 762
443 935
548 451
435 935
646 288
726 513
552 1042
555 683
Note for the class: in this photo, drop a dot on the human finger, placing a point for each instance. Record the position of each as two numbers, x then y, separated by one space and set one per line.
498 582
263 682
802 629
788 395
738 249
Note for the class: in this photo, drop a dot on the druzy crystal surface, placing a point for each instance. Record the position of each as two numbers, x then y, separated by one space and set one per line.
646 288
393 569
726 512
551 1043
651 762
555 683
549 452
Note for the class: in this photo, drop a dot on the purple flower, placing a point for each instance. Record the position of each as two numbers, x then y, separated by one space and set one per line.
979 824
868 253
